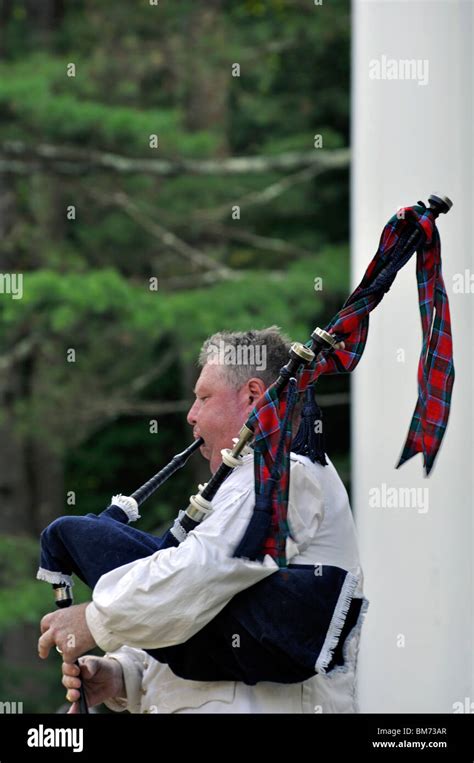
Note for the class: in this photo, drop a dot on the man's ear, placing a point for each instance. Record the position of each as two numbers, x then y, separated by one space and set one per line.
256 388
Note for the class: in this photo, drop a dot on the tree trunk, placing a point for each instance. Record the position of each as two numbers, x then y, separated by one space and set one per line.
6 7
16 516
31 474
44 15
207 84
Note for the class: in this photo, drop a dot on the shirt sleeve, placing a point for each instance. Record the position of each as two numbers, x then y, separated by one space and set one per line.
305 509
164 599
133 663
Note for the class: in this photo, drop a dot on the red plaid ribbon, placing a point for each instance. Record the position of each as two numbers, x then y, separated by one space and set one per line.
351 324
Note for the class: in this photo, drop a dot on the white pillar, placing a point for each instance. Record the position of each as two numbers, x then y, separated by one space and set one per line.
412 137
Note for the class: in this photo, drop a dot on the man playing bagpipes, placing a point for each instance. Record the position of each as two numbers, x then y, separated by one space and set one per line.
189 587
292 592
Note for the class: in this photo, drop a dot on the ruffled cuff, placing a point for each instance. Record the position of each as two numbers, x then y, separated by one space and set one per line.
128 505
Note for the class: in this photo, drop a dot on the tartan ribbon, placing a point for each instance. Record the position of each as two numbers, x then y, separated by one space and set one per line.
351 324
272 478
435 366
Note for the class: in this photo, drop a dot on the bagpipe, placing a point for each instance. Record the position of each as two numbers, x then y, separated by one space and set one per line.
294 624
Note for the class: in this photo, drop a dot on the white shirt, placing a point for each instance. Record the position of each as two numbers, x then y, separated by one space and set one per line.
167 597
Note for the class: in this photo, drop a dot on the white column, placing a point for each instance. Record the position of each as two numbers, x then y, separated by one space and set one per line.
412 137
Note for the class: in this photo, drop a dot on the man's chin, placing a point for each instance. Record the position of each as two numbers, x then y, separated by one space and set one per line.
204 450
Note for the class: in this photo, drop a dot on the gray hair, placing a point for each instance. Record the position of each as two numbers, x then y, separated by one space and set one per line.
243 355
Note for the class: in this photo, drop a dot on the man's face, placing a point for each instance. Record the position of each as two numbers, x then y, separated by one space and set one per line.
219 411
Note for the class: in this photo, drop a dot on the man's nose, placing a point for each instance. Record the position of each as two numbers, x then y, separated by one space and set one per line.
191 417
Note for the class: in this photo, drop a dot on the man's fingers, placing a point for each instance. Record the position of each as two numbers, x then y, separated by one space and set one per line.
70 669
46 621
45 643
74 709
70 682
51 638
73 695
64 627
72 678
69 654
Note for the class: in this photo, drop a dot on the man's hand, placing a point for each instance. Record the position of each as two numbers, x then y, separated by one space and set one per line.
67 629
102 679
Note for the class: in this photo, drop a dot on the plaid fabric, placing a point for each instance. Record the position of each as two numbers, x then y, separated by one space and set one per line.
272 472
435 367
351 324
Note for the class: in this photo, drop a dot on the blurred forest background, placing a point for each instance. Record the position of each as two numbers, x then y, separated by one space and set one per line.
92 211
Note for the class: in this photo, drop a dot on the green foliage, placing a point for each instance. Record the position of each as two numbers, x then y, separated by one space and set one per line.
114 329
143 71
23 599
37 95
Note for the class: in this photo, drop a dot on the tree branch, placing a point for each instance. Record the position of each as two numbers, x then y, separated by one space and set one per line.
19 157
20 351
140 382
259 242
198 280
148 408
267 194
168 238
